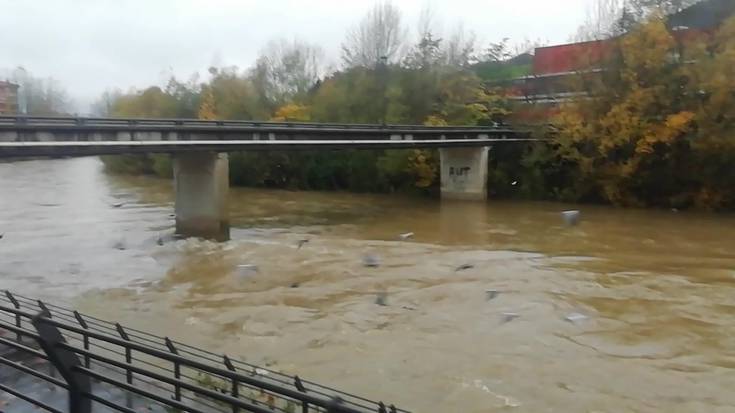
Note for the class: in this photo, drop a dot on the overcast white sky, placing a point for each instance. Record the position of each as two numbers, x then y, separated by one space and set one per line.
93 45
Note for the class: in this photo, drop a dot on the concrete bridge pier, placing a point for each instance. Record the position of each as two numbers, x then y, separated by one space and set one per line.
464 173
201 181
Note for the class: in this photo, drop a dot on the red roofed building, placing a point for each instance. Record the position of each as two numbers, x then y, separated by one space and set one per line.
553 66
8 98
570 57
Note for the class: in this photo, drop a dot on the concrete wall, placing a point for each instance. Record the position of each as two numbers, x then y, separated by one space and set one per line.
464 173
201 181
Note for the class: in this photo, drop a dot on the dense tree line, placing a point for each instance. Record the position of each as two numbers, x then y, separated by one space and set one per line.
384 79
654 128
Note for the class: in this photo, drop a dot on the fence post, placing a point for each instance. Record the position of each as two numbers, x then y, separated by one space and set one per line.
129 361
65 362
85 337
235 390
45 312
177 369
19 336
335 405
300 387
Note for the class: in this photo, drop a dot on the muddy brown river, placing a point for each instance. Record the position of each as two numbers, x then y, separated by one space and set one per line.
630 311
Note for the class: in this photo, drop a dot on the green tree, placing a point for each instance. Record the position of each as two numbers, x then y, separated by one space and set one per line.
286 71
654 127
235 96
152 102
208 106
644 8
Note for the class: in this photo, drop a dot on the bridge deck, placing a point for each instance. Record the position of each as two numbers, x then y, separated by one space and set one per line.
84 148
143 124
59 136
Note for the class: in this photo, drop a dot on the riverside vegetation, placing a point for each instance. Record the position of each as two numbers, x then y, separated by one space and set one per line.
653 129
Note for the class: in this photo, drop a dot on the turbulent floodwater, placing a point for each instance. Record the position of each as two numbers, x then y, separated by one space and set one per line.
656 289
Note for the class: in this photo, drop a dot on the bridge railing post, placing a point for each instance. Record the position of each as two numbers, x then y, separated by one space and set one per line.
65 362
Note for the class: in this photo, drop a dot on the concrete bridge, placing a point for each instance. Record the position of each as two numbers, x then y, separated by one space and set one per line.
200 147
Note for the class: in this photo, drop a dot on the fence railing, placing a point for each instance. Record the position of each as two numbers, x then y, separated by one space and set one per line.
98 363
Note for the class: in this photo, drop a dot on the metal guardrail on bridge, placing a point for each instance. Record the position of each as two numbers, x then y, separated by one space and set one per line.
143 124
101 365
44 136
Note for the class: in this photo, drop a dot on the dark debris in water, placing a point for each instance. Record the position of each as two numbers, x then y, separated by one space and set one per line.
382 299
508 316
464 267
371 261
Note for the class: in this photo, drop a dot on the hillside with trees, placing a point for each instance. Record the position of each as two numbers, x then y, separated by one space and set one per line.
653 129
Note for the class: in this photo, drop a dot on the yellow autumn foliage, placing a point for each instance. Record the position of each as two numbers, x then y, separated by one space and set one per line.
435 120
207 108
423 167
657 126
292 112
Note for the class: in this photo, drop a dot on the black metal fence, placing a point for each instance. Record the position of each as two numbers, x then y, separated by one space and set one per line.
87 364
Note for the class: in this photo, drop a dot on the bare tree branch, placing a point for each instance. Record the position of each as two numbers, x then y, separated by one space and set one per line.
287 70
380 34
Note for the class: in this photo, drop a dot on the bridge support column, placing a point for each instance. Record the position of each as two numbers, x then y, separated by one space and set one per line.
464 173
201 180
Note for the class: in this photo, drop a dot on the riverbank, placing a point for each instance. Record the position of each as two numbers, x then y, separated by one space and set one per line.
404 171
516 172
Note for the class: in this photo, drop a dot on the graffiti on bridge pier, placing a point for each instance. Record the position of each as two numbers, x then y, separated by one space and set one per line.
459 172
